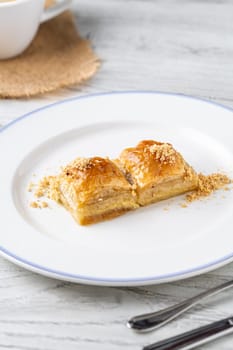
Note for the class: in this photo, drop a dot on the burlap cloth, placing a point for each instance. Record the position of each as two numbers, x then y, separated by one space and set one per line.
57 58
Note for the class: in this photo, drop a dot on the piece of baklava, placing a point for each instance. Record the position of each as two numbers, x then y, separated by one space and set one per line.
95 189
157 171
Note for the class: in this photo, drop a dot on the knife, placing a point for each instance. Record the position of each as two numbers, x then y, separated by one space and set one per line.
196 337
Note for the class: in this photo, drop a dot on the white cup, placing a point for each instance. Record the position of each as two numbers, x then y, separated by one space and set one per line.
19 22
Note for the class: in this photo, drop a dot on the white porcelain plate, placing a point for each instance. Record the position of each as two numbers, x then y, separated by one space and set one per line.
155 244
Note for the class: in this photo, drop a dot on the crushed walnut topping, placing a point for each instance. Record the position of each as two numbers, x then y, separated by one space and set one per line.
53 191
34 205
31 187
41 187
207 184
183 205
79 164
188 173
44 205
48 187
164 153
39 204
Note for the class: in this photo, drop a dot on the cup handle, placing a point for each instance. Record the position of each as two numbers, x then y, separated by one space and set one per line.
55 10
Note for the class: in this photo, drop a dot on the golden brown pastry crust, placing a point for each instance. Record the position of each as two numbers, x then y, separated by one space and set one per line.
95 189
91 176
157 171
148 162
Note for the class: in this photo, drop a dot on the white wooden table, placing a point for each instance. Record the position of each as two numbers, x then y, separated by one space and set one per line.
166 45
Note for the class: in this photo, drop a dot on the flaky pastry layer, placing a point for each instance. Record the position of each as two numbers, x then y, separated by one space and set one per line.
96 189
157 171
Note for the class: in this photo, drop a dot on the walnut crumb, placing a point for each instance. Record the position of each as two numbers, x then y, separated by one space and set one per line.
77 164
164 153
207 184
189 173
39 205
183 205
47 187
34 205
44 205
30 187
39 192
50 187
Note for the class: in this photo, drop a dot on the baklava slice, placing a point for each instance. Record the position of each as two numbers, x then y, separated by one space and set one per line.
95 189
157 171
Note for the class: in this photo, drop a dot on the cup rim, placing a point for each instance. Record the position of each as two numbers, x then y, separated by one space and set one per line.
12 3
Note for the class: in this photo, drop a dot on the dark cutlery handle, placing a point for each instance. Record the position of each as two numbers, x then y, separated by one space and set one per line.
153 320
194 338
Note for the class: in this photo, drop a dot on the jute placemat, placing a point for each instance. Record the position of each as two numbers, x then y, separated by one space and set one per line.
57 58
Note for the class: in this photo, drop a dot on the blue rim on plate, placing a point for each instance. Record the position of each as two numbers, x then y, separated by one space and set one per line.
79 278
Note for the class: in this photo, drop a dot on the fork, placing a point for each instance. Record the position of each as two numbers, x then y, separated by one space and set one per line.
153 320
